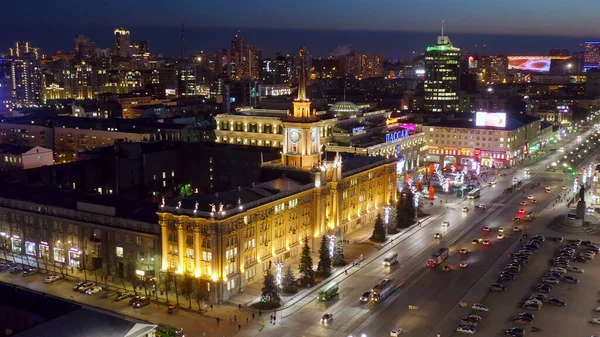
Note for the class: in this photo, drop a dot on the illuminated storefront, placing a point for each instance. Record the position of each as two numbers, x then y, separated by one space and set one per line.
74 257
30 248
16 244
59 255
44 250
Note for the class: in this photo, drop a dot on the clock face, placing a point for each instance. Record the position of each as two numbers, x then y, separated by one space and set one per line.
294 136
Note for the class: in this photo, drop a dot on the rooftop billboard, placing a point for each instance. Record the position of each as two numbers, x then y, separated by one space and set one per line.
491 119
539 65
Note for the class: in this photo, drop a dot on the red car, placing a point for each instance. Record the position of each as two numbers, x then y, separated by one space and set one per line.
521 211
486 229
522 320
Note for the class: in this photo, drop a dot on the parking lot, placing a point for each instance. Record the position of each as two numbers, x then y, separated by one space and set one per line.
571 320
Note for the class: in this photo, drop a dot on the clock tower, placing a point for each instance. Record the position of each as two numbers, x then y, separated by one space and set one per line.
301 132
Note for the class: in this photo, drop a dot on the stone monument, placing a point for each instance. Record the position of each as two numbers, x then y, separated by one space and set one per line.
580 210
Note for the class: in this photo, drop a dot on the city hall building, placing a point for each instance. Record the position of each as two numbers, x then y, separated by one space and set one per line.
229 239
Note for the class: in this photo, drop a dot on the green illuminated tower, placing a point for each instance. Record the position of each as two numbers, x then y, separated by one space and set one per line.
442 72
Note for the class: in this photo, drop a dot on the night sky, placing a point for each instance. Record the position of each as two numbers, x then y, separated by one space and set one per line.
507 17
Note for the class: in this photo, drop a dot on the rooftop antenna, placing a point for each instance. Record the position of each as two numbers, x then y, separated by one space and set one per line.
442 27
184 62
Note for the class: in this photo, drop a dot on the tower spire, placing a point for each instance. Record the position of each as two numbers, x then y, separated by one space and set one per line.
302 77
442 27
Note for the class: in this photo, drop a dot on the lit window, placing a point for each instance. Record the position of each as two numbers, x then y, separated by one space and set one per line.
119 251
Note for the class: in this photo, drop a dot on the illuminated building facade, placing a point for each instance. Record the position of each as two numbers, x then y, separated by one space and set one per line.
442 71
228 239
122 37
27 82
362 65
494 69
465 143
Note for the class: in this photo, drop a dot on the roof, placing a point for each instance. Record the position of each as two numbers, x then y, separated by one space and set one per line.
123 207
513 122
84 323
344 107
15 149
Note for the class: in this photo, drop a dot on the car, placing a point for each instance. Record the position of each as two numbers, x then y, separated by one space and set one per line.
78 285
559 239
172 309
511 269
500 236
543 290
514 332
557 301
365 296
522 320
29 271
466 330
501 229
533 201
597 309
595 321
486 242
539 238
142 301
550 280
93 290
507 277
437 236
538 296
523 203
585 255
567 250
86 287
580 259
515 180
560 264
486 229
445 223
326 318
563 187
133 298
516 228
589 250
554 275
492 183
447 268
16 270
52 278
463 251
526 315
514 265
481 206
586 243
548 190
558 270
521 211
570 279
574 269
479 307
109 293
576 242
121 296
532 306
465 209
396 332
468 322
475 242
497 287
464 264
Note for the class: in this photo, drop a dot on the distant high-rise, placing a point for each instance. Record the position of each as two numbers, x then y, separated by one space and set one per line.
83 46
24 49
122 42
362 65
591 55
442 72
26 81
494 68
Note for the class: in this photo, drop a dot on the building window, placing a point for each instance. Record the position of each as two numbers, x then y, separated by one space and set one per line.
119 251
138 241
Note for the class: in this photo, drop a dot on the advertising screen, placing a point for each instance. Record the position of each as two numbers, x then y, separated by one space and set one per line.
491 119
539 65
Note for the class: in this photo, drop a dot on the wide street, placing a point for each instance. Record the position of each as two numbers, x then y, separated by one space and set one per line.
433 291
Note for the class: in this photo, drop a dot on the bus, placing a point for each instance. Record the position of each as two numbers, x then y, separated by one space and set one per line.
328 291
163 330
474 194
390 259
437 258
383 289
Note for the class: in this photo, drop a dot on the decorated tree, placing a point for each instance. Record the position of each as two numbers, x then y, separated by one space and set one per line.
324 266
307 277
379 232
270 292
405 209
288 284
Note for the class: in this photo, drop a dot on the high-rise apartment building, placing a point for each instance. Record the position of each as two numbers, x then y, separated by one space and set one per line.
121 42
275 69
442 71
244 60
494 69
362 65
27 82
591 55
24 49
84 47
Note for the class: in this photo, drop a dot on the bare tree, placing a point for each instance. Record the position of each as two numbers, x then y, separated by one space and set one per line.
175 282
201 291
187 286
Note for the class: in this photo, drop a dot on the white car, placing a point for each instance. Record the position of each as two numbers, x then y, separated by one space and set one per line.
574 269
465 209
595 321
558 270
501 229
466 330
396 332
597 309
479 307
530 197
52 278
500 236
93 290
437 236
445 223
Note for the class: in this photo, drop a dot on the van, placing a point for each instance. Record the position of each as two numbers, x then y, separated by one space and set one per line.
141 302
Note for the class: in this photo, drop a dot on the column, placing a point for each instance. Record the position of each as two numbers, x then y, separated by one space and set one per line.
181 243
164 236
197 251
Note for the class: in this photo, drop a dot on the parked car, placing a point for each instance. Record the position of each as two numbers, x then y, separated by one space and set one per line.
479 307
86 287
532 306
570 279
29 271
4 266
93 290
574 269
121 296
557 301
497 287
468 322
133 298
78 285
142 301
16 270
595 321
52 278
558 270
538 296
466 330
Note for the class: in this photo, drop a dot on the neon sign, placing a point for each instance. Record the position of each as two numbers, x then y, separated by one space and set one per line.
390 137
